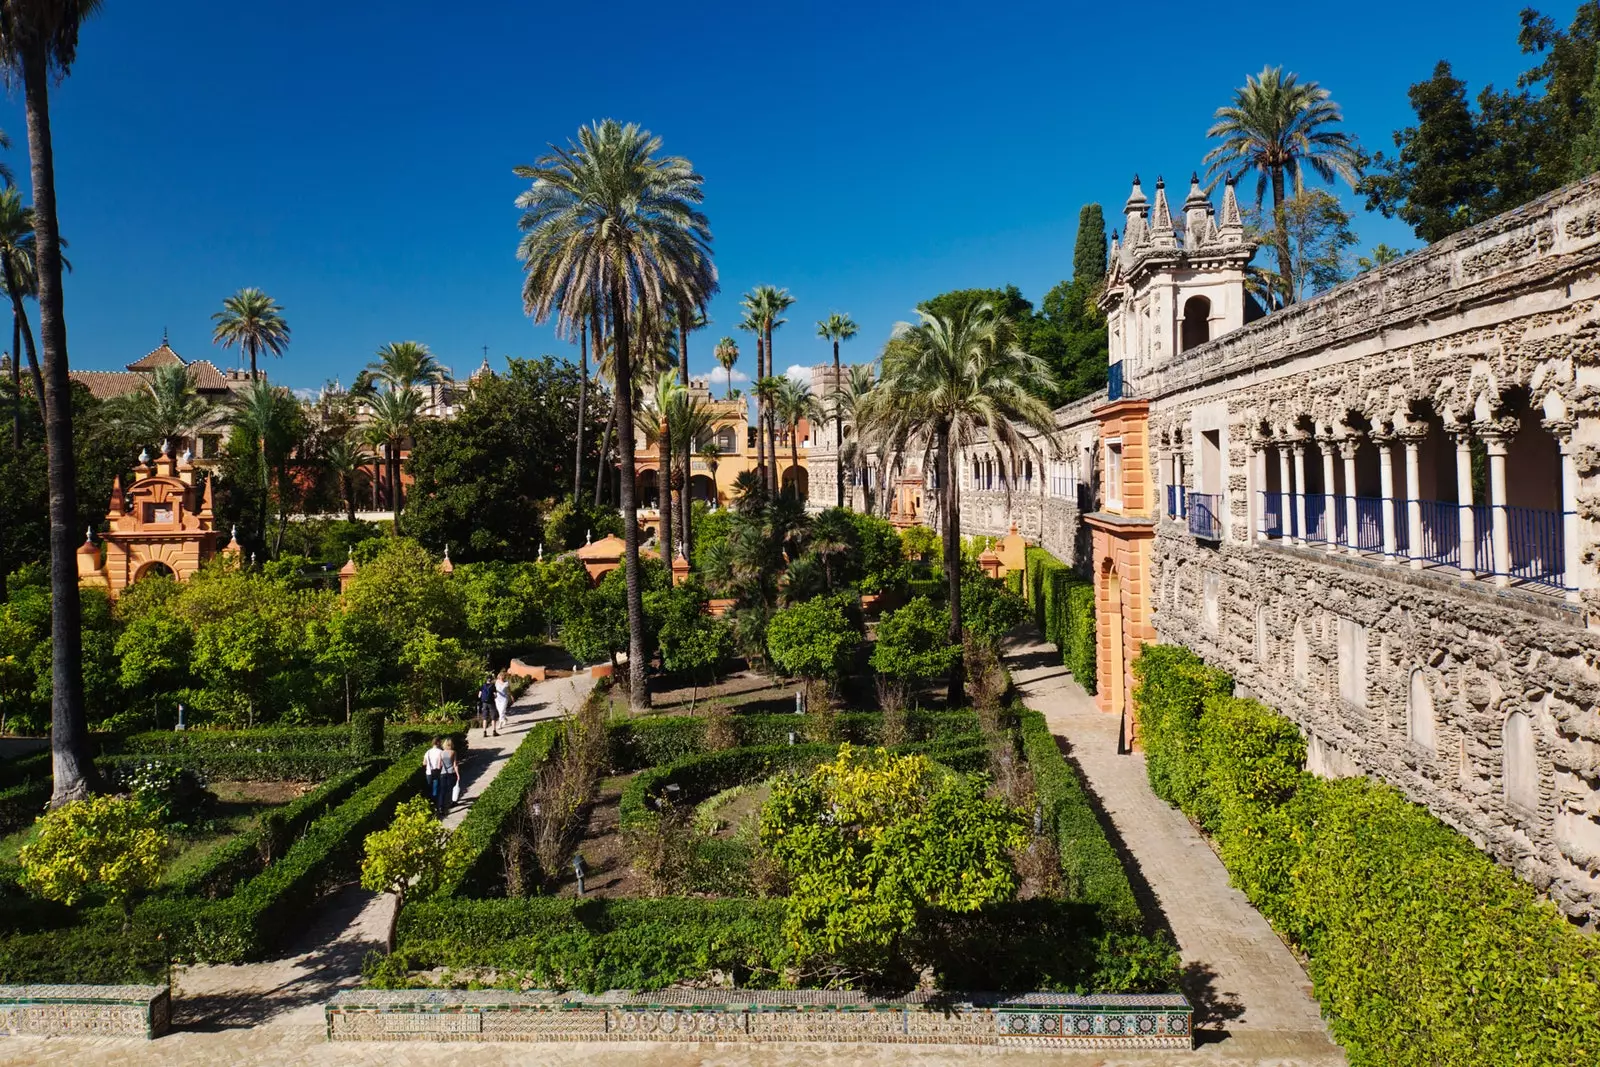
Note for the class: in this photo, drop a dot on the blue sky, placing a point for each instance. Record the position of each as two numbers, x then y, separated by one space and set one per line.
354 160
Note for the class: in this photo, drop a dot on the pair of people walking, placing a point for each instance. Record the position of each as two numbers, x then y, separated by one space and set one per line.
443 773
494 700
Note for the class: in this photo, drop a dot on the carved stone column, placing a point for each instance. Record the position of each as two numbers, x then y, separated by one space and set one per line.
1285 494
1298 447
1412 435
1347 452
1258 498
1326 444
1385 443
1561 429
1495 435
1461 434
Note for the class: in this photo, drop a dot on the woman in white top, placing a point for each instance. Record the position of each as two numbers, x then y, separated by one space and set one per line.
502 701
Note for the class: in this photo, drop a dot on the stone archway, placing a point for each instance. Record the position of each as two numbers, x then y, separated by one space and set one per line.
154 568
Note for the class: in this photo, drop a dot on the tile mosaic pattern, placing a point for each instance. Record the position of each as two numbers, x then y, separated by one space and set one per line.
1153 1021
85 1010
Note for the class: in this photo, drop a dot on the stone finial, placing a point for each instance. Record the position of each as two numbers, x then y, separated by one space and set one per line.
1162 232
1231 228
205 501
166 446
447 567
115 510
1198 220
144 456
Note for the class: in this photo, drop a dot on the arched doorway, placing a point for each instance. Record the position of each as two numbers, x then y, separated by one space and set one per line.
649 489
702 488
797 481
154 569
1196 322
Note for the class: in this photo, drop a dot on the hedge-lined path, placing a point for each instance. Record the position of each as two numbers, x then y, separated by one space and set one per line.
1253 1001
353 922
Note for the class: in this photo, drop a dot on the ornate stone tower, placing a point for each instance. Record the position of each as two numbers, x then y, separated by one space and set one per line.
1167 291
158 529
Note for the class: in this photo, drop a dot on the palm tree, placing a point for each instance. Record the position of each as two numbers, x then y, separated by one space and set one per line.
252 320
792 404
765 390
770 303
38 42
752 322
20 279
167 408
393 413
945 381
656 413
850 404
583 396
691 421
405 364
727 353
270 416
344 458
610 220
1277 126
836 328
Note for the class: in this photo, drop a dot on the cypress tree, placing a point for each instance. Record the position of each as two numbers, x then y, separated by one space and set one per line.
1089 253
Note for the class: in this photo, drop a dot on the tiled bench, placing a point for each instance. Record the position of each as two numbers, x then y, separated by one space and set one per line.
85 1010
1052 1020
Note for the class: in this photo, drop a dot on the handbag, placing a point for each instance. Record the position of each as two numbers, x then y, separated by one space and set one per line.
455 793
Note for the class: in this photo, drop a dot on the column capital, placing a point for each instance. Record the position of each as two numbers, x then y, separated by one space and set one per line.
1561 430
1461 433
1412 432
1348 443
1495 432
1382 437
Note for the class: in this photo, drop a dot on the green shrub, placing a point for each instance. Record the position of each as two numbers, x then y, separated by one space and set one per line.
1424 952
1091 870
478 837
366 732
932 588
1063 608
1173 685
914 643
813 639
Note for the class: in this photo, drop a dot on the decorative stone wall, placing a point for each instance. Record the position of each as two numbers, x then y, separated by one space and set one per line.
1041 1020
85 1011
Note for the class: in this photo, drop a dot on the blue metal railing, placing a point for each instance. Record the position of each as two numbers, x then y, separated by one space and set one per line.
1369 525
1205 515
1316 518
1537 549
1115 386
1272 512
1174 501
1441 532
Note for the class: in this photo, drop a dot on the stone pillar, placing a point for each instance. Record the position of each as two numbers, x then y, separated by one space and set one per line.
1298 446
1385 443
1495 435
1258 498
1347 452
1285 492
1329 517
1461 433
1561 429
1412 437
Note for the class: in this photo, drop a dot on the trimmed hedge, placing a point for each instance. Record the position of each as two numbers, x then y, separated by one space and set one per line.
1423 950
313 740
649 742
1063 609
595 944
1091 870
486 820
263 913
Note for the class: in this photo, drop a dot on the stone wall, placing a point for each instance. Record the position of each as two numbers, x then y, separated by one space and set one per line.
1048 1020
85 1011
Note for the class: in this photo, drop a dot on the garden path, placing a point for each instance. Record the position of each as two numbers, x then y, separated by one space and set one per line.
337 938
1253 1001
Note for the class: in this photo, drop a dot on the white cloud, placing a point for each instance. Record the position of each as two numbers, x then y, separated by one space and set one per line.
719 377
799 373
308 395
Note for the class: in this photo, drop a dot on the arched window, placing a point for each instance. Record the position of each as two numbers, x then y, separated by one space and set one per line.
1420 727
1519 767
1196 322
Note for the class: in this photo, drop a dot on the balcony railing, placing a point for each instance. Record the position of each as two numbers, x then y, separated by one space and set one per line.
1115 386
1205 515
1536 537
1175 502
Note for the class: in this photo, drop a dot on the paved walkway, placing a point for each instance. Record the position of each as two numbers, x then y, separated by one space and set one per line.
1252 999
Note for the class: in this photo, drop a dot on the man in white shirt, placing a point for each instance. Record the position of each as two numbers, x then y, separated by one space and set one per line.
432 767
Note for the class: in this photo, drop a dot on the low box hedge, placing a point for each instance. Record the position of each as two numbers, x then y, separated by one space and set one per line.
1063 608
1423 950
277 755
1091 870
352 740
634 744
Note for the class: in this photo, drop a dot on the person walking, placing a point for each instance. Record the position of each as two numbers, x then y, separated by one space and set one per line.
502 702
433 769
486 702
449 778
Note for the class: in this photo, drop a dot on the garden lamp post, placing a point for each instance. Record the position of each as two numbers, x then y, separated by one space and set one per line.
578 869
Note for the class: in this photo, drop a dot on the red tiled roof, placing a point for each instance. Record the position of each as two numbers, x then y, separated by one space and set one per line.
205 375
105 384
161 357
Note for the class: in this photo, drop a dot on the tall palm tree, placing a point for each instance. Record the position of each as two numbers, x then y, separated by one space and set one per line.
656 413
1277 126
583 396
610 220
344 458
850 403
38 42
691 316
254 321
752 322
771 302
765 390
272 419
21 280
393 414
793 404
836 328
727 353
691 422
405 364
167 408
945 381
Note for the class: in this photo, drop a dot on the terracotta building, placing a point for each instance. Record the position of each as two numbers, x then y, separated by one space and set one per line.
162 525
